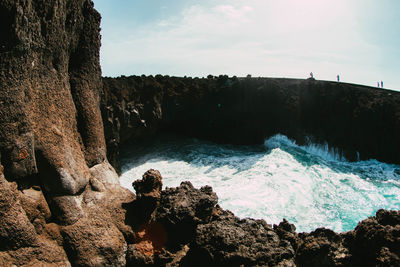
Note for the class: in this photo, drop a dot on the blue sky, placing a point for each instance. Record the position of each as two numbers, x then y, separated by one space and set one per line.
357 39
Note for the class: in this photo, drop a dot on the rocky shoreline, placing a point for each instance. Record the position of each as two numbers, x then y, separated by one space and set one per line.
361 122
62 126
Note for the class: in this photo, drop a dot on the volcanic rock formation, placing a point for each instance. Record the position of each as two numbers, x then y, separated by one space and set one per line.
60 200
59 195
361 122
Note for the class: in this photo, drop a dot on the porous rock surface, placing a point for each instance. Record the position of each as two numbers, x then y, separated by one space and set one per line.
60 200
229 241
149 186
61 203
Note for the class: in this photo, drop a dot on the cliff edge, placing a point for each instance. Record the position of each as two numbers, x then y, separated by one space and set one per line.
360 122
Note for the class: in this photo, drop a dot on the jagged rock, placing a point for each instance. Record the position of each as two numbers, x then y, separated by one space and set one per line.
164 229
148 190
376 240
322 247
182 208
229 241
150 241
149 186
388 217
287 231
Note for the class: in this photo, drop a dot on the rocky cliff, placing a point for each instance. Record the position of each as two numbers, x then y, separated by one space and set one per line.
60 200
360 122
58 192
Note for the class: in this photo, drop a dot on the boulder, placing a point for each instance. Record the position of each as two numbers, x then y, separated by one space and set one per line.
182 208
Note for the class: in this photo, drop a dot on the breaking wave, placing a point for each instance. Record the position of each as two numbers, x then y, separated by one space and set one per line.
312 186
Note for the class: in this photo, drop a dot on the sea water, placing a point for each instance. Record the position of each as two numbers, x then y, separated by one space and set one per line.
311 186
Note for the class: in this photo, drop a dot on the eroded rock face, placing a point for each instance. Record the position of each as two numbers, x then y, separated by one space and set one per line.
15 228
26 237
50 76
54 173
94 242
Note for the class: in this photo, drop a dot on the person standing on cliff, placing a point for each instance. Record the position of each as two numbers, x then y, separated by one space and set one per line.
311 75
338 78
378 84
381 84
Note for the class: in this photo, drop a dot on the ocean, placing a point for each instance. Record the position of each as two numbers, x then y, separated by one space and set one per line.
311 186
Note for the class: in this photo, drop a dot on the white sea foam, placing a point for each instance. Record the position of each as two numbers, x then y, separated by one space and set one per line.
311 186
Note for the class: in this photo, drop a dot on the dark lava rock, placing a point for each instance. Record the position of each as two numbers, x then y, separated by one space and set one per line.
322 247
376 240
182 208
388 217
148 193
149 186
229 241
287 231
163 233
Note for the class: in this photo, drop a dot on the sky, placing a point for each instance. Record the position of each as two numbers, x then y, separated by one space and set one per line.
356 39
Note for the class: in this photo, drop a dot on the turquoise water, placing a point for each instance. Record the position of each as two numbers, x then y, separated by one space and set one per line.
311 186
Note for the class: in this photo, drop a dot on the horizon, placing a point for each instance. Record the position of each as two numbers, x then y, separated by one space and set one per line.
357 40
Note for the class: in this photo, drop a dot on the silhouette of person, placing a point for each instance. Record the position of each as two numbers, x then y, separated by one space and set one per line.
378 84
381 84
338 78
311 75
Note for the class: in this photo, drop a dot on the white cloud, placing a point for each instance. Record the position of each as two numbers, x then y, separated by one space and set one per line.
265 38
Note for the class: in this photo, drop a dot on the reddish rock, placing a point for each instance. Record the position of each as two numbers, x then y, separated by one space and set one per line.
151 238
